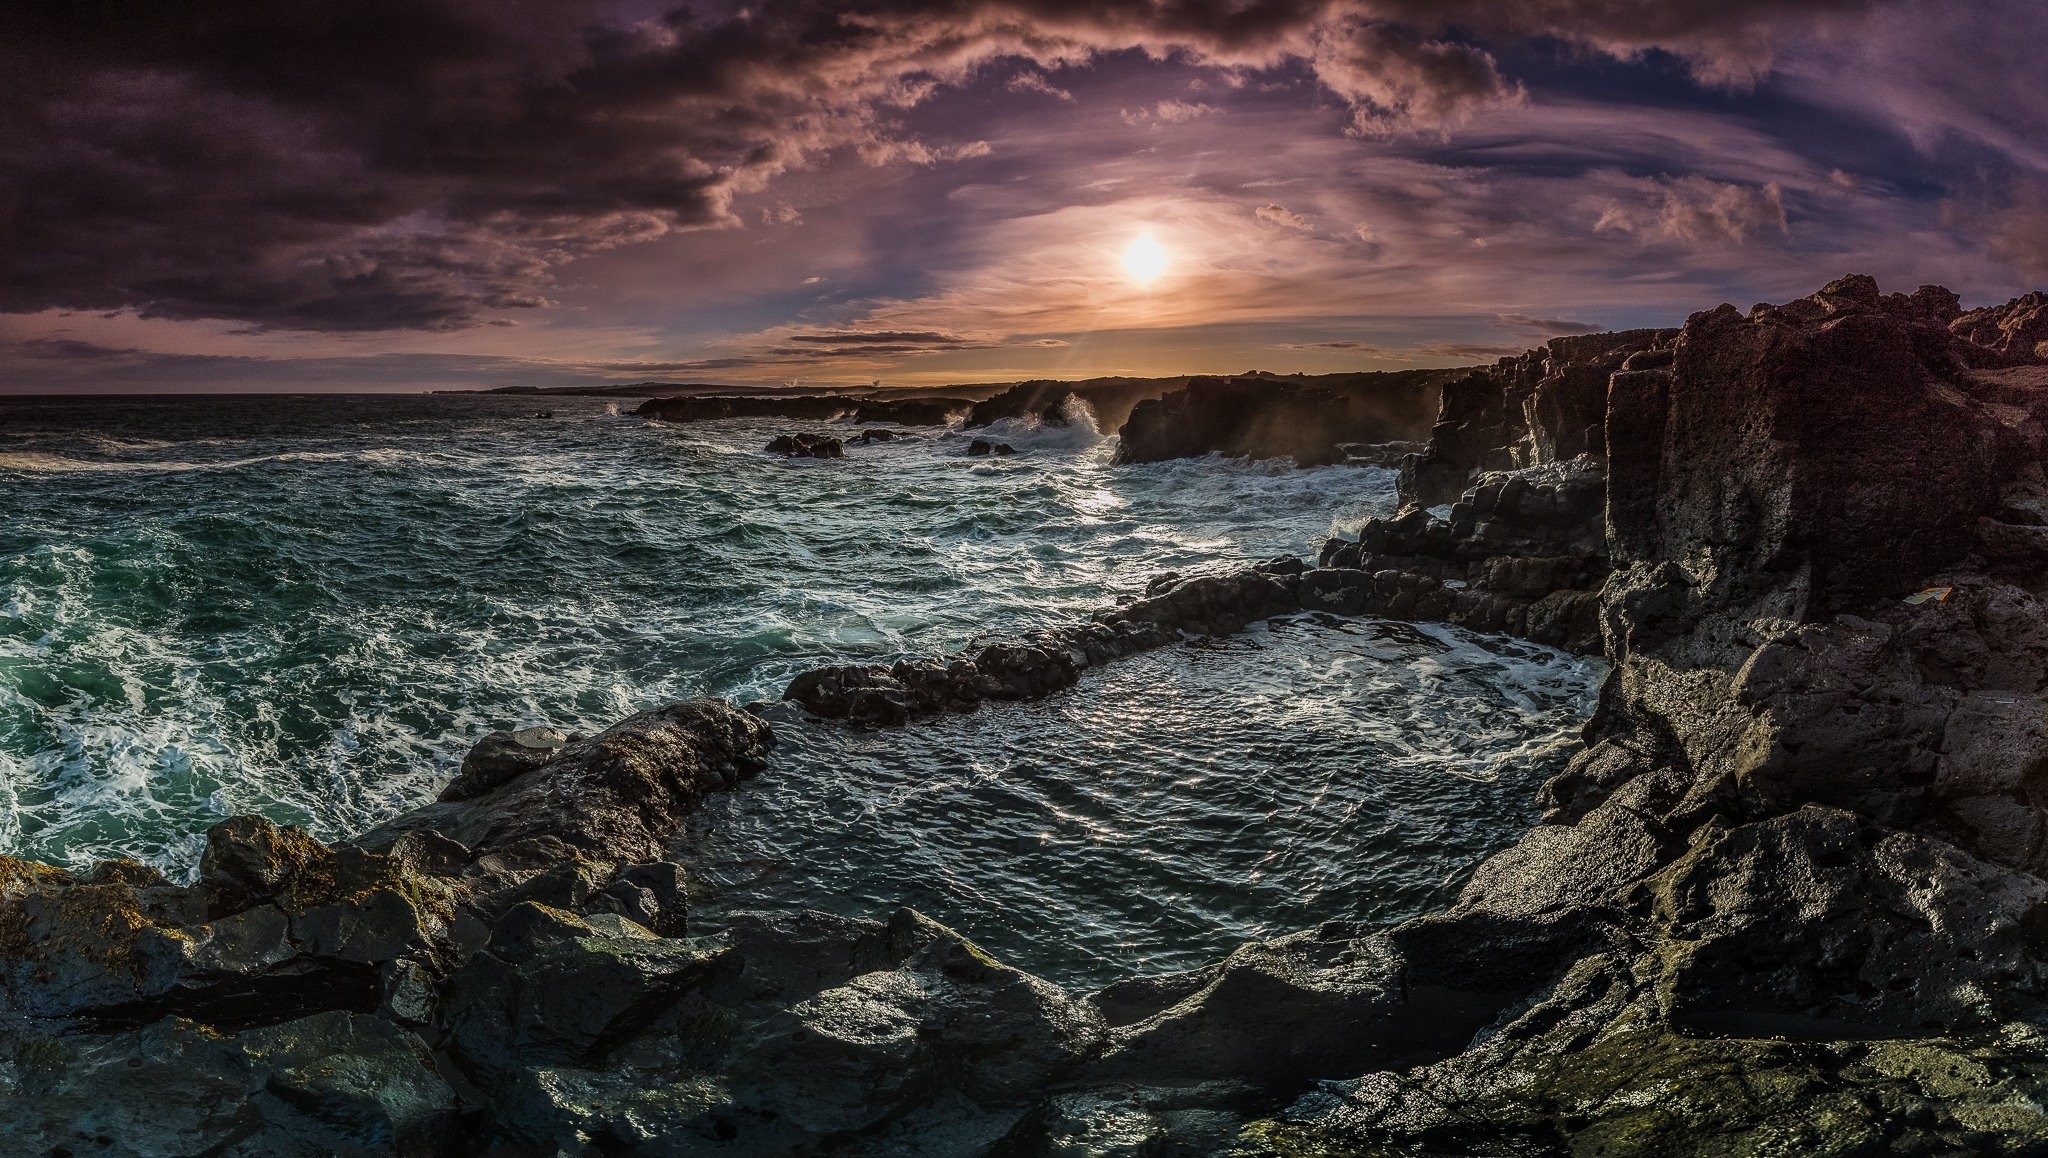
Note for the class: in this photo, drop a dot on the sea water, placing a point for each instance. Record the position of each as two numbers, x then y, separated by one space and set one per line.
310 607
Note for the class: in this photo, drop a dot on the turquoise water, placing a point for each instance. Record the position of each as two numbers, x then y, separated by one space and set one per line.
311 607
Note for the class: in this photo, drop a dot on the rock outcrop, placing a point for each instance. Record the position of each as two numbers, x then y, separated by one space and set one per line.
2017 329
807 446
712 407
1790 897
1266 416
913 411
1046 401
1041 663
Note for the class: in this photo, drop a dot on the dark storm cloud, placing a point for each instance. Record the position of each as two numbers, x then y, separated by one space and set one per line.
859 344
1547 327
869 337
358 165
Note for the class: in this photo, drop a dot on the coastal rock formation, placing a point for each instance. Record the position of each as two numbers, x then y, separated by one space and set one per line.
712 407
1798 857
1046 401
1788 898
913 411
807 446
1041 663
982 447
919 411
2018 329
1263 416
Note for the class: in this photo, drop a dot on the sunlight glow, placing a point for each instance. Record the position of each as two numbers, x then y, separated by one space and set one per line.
1145 259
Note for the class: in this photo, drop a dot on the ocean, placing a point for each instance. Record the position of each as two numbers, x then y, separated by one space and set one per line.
311 606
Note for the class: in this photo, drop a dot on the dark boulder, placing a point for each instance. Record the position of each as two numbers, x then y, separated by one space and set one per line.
631 785
807 446
501 756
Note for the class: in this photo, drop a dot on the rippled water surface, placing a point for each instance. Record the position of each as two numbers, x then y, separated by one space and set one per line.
310 607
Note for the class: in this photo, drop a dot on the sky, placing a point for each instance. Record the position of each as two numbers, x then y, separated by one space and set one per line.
436 194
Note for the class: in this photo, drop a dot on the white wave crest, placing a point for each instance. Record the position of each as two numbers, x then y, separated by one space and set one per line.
38 462
1076 431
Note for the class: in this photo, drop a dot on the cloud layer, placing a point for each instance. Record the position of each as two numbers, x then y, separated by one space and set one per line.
426 165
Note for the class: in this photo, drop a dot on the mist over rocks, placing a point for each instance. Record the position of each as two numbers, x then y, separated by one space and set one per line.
1788 897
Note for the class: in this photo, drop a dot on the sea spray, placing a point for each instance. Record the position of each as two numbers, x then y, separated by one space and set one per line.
310 608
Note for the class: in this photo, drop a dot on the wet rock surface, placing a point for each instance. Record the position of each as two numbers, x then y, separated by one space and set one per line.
1046 401
1041 663
1264 416
1788 898
711 408
807 446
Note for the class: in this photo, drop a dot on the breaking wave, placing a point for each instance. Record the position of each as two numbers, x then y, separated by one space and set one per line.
311 607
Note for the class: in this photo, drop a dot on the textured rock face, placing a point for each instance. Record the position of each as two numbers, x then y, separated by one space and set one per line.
1787 899
1806 811
710 408
2018 329
1045 662
1548 405
1266 417
1110 399
807 446
500 756
913 411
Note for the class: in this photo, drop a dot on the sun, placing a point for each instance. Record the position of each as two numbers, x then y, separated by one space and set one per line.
1145 259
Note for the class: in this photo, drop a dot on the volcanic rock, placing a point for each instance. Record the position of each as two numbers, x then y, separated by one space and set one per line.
913 411
500 756
1787 897
1270 417
807 446
711 408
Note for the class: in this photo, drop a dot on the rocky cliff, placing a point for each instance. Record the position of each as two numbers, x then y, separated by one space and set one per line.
1311 420
1787 899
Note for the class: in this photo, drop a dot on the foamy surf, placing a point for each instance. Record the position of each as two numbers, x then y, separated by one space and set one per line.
34 462
311 608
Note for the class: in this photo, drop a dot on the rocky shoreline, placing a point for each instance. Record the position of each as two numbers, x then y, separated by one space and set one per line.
1314 421
1787 899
